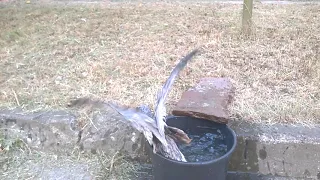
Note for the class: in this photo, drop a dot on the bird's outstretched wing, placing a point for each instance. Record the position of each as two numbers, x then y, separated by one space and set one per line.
140 121
160 109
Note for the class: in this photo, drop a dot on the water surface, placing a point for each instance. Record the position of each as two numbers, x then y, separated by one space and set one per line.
207 145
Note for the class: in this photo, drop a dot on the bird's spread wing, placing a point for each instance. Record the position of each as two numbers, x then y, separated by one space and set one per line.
145 110
160 109
141 122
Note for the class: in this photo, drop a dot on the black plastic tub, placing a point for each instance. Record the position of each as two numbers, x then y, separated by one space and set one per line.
215 169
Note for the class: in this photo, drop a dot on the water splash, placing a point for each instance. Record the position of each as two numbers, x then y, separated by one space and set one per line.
205 146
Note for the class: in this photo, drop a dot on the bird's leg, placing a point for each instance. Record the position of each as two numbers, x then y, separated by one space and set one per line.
177 134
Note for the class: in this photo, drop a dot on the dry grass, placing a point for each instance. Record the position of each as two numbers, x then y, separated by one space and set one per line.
124 52
40 165
18 161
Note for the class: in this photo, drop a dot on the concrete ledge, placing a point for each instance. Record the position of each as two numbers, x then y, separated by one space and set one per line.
286 151
145 173
56 131
279 150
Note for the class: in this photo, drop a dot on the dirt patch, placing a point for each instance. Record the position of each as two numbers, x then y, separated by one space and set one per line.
51 53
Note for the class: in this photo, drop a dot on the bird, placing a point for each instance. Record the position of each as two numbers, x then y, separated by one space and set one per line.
153 126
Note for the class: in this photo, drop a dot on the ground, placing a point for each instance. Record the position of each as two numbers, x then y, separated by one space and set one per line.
125 51
18 161
51 53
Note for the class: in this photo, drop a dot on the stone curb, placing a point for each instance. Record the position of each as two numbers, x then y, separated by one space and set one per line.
288 151
44 130
145 173
280 150
59 131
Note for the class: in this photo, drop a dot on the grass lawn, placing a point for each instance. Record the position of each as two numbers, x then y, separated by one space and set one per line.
53 53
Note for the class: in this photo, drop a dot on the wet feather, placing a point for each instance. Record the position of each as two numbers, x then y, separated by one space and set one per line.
160 109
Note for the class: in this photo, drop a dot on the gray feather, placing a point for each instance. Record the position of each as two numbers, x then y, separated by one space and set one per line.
160 109
141 122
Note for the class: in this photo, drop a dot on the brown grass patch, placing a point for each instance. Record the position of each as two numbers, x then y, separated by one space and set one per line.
50 54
